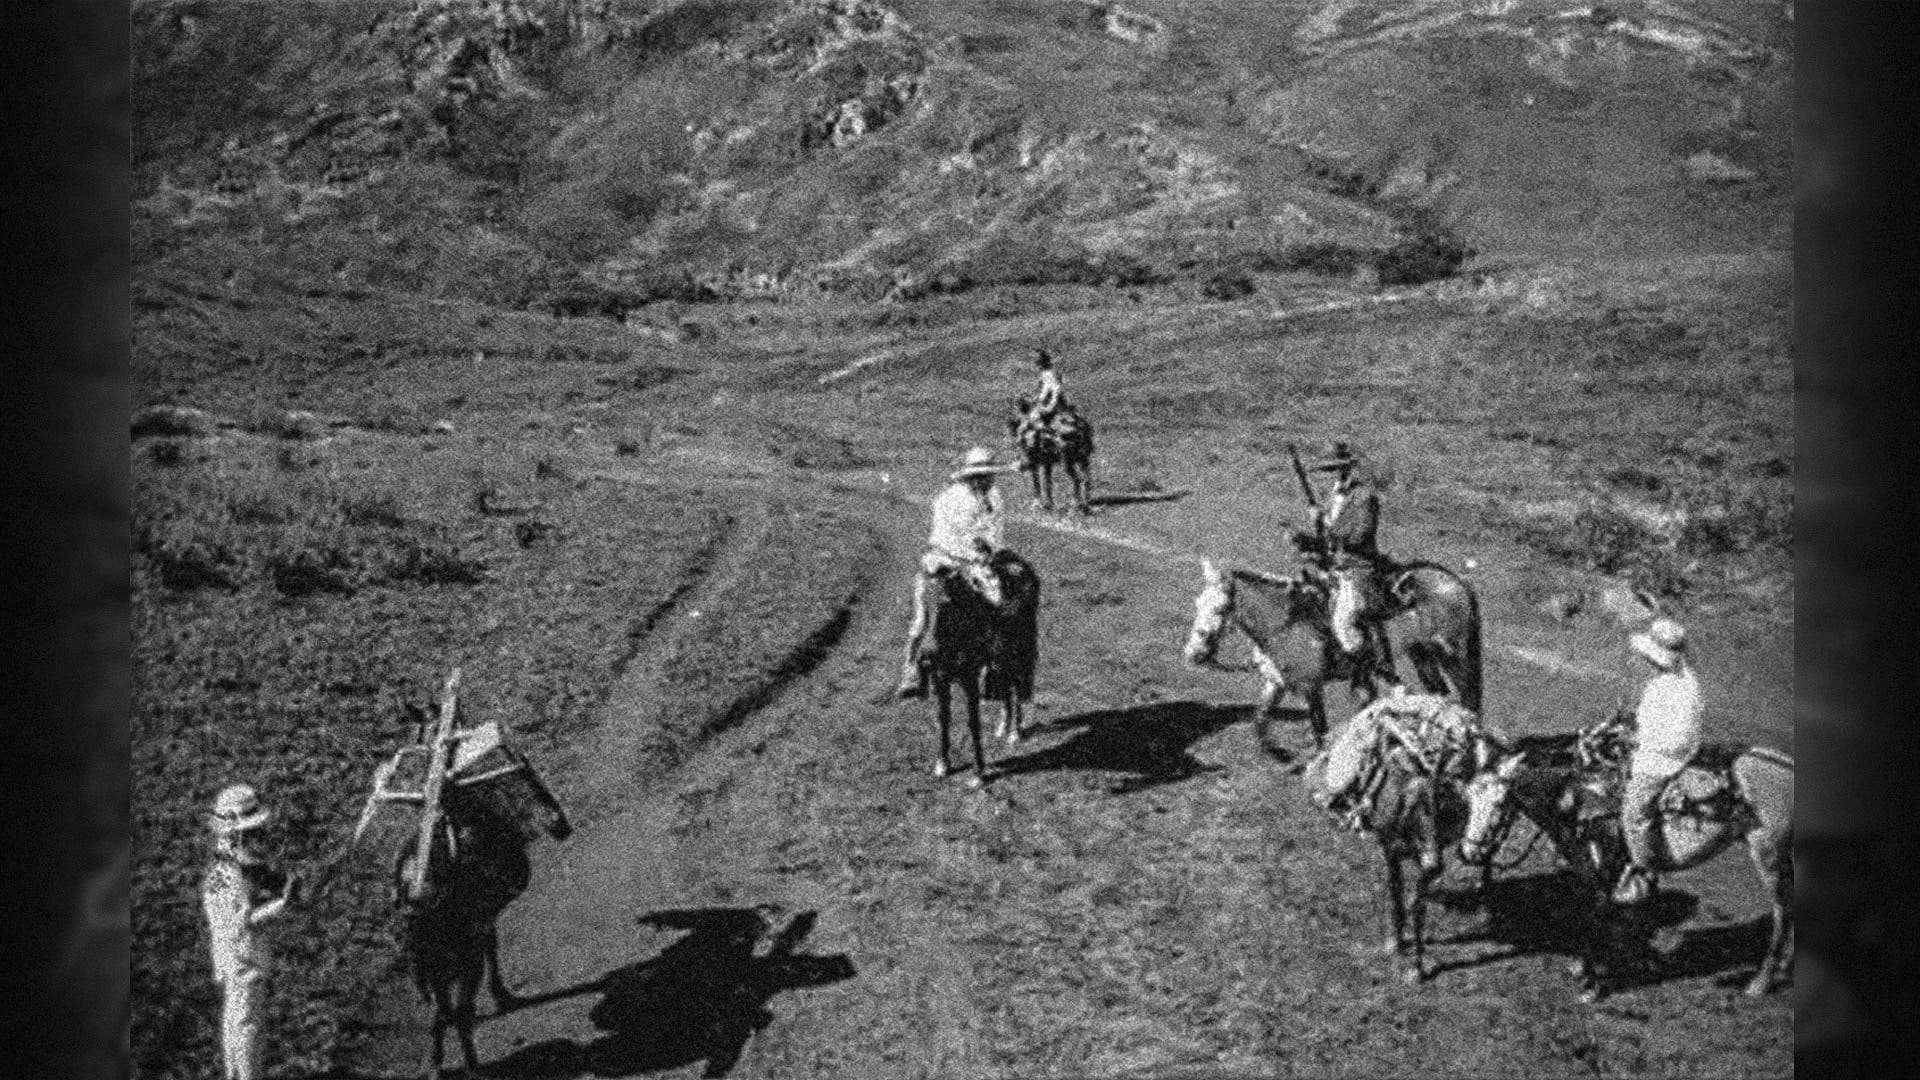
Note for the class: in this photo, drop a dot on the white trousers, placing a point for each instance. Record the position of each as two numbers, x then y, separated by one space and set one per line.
1346 612
243 1011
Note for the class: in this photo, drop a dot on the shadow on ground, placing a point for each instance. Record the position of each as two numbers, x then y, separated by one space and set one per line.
1147 745
1128 498
1548 914
700 1000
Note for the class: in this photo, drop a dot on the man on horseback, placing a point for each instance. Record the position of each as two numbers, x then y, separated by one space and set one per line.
1666 737
1047 411
1344 545
242 891
966 535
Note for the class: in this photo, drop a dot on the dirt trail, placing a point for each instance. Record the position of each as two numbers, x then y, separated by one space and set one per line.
1135 893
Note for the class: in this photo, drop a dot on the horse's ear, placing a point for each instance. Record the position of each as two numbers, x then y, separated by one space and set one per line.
1511 765
1209 571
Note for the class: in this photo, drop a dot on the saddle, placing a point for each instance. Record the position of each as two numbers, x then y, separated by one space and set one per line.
1705 789
1703 792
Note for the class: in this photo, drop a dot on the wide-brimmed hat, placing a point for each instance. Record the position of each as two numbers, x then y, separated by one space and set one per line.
1339 459
1663 643
238 809
979 461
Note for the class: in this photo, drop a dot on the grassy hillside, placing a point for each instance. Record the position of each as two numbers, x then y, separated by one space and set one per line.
625 152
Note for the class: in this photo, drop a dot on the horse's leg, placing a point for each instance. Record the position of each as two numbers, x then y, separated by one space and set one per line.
1317 716
436 1045
1396 903
504 999
465 1006
1772 858
979 777
1047 482
943 710
1423 879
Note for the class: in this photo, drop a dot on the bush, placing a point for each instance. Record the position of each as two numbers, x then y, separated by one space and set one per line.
196 566
306 573
1605 538
372 510
1228 286
435 565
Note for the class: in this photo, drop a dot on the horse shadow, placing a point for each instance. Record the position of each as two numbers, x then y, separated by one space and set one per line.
1148 745
1551 914
1129 498
699 1001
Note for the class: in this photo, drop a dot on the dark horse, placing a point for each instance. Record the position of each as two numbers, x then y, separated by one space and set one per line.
1417 810
988 646
1436 616
1067 443
1738 794
1288 622
477 865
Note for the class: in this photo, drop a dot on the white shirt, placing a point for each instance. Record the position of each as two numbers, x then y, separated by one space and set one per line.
1051 390
960 517
1667 721
232 916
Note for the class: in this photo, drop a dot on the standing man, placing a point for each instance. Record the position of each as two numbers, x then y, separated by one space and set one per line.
241 892
965 535
1666 736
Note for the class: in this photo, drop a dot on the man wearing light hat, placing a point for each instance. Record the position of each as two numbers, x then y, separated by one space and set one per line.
241 892
1666 735
965 535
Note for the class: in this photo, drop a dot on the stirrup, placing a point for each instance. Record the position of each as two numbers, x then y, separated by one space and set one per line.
1635 886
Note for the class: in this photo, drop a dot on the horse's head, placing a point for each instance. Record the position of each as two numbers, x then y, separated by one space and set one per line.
1210 611
518 800
1490 810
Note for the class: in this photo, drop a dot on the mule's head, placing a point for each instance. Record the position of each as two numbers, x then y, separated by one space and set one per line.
1210 611
518 800
1489 796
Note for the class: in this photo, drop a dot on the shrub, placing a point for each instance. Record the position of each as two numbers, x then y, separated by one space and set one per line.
256 508
195 566
1605 538
1228 286
372 510
167 453
306 573
435 565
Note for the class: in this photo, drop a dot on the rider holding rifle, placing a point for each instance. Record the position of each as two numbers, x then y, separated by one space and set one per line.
1344 544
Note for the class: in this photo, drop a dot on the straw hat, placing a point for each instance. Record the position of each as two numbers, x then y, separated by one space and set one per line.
1663 643
238 809
979 462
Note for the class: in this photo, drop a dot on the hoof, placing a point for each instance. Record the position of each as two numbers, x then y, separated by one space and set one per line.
1390 947
976 781
1013 736
1592 995
1577 968
1759 987
941 770
1413 976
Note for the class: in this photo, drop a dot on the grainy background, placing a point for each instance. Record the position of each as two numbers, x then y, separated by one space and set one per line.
64 612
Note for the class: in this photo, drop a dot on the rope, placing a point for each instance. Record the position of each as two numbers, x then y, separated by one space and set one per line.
1528 850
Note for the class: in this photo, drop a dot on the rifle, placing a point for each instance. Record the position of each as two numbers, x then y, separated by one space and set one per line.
1313 500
